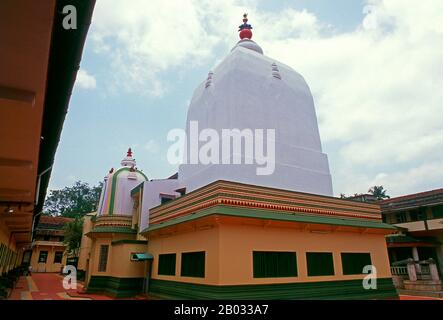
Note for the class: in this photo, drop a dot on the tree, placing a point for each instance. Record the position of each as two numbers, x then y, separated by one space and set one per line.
73 201
73 236
379 192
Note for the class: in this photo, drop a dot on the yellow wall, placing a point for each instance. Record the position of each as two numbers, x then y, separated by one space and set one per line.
7 260
229 250
199 240
49 266
122 266
86 243
237 242
118 263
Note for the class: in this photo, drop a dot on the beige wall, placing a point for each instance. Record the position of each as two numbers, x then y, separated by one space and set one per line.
122 266
86 243
199 240
49 266
118 263
229 250
239 241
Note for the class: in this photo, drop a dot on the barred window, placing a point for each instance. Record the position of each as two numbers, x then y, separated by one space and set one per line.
320 264
103 259
353 263
193 264
166 264
274 264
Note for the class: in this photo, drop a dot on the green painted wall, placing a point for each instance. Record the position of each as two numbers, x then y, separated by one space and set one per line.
327 290
116 287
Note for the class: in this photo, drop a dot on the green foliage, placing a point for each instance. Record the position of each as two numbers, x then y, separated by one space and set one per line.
73 236
73 201
379 192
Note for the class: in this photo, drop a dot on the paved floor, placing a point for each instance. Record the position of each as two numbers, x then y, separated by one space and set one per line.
404 297
49 286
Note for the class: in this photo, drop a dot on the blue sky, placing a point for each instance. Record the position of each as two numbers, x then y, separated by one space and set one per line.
143 59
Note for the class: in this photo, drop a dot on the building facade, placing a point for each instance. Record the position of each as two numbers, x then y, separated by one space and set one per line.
220 230
232 240
419 218
48 252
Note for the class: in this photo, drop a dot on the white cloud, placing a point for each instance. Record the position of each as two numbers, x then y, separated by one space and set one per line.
85 80
378 95
378 89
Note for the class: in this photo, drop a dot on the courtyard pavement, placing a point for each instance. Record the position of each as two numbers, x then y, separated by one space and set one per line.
49 286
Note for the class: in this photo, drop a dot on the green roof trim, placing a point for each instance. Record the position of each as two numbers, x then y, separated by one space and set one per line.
117 242
113 230
142 256
113 187
270 215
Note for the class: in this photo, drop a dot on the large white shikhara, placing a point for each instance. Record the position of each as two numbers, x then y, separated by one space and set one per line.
248 90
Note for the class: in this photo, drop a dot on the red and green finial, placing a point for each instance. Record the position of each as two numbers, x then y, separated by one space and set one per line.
129 154
245 29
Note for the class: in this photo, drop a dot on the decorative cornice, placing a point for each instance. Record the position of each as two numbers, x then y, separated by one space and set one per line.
254 197
224 210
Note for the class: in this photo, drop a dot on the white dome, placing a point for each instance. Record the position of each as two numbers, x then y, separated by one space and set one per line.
249 44
250 90
115 198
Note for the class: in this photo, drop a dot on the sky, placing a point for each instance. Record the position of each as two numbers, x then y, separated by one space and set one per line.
375 69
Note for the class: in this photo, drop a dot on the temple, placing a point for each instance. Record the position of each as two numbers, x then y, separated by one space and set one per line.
215 231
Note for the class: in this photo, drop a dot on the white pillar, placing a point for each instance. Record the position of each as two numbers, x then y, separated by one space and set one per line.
411 272
415 254
434 271
416 258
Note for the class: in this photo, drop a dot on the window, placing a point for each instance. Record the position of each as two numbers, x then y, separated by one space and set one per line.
165 199
417 214
46 238
437 212
401 217
193 264
58 257
353 263
166 264
103 258
43 256
274 264
320 264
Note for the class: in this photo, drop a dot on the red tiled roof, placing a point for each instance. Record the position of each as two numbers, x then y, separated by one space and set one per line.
53 221
412 196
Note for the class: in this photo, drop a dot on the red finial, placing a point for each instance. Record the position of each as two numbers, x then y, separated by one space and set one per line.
129 154
245 28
